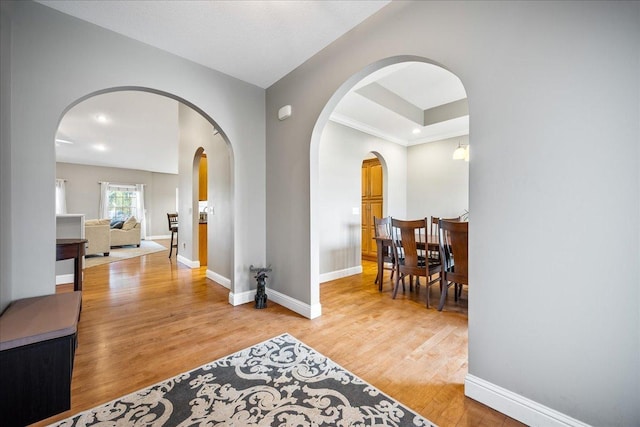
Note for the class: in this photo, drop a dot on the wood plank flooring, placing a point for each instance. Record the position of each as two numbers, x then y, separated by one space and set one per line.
149 318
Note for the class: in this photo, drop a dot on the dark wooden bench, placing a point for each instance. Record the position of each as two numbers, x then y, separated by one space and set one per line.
38 338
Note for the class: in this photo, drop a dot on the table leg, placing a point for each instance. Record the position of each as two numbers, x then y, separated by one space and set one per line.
77 274
380 257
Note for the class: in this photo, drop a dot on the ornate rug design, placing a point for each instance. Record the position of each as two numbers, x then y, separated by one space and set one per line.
124 252
279 382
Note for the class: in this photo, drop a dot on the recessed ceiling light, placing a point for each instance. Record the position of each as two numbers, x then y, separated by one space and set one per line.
101 118
100 147
63 141
416 131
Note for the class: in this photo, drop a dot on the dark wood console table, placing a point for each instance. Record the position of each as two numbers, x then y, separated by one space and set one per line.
72 248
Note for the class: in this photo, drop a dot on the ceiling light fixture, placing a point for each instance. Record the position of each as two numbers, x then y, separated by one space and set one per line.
101 118
63 141
416 131
100 147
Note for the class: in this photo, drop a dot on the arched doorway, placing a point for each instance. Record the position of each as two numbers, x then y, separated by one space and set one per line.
365 83
372 193
172 189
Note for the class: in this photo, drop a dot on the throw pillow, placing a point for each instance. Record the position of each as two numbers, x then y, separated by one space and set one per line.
117 224
129 223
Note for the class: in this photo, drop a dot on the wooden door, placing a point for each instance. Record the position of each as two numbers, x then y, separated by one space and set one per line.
372 201
203 196
202 179
202 243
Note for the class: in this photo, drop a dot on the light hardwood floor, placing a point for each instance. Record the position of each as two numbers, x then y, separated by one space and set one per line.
149 318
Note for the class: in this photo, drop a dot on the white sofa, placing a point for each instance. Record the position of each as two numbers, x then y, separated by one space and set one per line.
97 232
129 234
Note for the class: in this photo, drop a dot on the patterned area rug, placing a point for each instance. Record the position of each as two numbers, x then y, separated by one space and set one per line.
280 382
124 252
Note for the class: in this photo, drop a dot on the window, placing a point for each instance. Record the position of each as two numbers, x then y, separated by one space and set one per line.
122 202
61 197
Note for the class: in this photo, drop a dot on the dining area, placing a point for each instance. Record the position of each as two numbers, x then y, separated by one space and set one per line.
422 182
430 251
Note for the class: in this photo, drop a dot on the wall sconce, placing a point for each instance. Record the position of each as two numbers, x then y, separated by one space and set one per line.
461 153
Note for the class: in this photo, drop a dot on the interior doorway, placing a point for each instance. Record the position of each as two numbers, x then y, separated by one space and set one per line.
203 209
414 145
372 204
149 137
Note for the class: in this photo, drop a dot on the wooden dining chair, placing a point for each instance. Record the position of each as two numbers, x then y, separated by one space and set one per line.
435 231
454 250
409 240
383 230
172 218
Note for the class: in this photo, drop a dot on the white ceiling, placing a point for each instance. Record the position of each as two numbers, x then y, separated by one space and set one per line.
255 41
140 131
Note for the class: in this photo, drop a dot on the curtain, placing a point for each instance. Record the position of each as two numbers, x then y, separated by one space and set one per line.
61 197
141 211
103 209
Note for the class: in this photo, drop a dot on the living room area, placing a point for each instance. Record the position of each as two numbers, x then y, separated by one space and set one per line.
118 166
130 224
124 174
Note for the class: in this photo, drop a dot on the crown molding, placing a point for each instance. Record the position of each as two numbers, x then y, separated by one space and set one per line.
354 124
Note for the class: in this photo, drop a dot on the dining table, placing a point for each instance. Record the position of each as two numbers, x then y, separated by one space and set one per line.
383 243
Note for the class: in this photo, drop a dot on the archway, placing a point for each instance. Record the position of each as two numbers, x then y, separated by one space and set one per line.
397 207
186 113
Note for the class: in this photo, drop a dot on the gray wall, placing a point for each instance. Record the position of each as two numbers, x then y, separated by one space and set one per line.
341 154
220 222
196 136
553 91
437 185
57 60
83 191
6 235
162 196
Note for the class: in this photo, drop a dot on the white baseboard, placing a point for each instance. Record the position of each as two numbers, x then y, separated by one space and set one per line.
310 312
338 274
242 298
64 278
161 237
516 406
218 278
188 262
306 310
